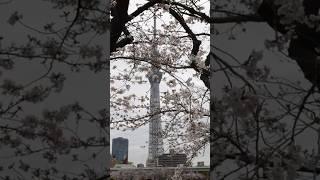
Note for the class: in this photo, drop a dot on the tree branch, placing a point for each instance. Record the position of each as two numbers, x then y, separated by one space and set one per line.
237 19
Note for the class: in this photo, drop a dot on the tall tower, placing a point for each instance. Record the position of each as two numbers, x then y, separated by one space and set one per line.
155 137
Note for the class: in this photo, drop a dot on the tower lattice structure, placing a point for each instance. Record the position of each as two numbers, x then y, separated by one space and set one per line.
155 147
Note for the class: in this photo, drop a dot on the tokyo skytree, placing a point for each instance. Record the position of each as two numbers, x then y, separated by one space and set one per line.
155 138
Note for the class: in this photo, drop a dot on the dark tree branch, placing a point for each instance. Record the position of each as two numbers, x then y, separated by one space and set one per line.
71 25
311 90
196 42
302 48
233 71
249 161
120 18
237 19
205 74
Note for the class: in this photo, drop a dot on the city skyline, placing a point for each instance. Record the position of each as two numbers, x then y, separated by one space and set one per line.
138 147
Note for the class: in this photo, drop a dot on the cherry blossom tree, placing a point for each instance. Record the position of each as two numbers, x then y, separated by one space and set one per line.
43 133
181 40
260 118
46 143
160 173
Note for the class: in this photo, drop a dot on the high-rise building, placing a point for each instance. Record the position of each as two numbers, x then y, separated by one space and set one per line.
120 149
155 137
